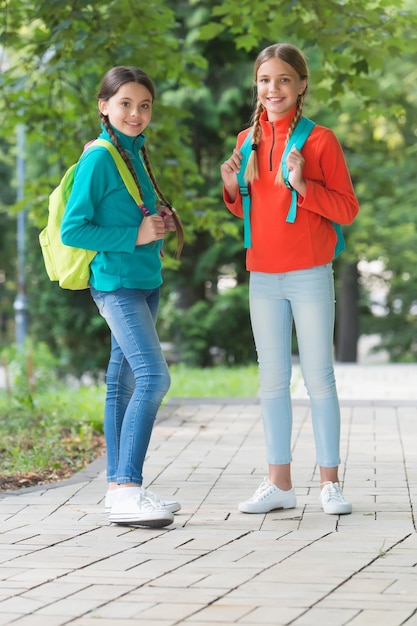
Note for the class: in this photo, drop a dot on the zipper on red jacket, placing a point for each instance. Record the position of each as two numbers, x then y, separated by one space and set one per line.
272 147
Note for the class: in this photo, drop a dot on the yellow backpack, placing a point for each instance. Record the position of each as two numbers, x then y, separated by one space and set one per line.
65 264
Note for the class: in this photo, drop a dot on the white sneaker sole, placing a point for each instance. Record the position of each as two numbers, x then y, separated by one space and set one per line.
243 508
153 521
335 511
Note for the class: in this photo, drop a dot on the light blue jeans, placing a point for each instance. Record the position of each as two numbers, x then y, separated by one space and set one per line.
137 379
307 297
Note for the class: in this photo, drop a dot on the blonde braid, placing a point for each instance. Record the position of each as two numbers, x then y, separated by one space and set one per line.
163 200
279 180
252 170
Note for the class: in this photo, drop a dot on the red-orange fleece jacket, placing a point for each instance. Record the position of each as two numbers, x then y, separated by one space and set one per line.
279 246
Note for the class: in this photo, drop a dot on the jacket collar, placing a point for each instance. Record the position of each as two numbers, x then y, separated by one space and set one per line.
284 123
131 144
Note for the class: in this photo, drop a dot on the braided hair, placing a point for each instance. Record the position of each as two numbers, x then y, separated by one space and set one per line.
110 84
293 56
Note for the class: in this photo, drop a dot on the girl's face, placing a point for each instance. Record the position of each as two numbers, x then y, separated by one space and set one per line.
129 110
278 86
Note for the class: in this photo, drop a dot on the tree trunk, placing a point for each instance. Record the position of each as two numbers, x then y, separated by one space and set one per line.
347 313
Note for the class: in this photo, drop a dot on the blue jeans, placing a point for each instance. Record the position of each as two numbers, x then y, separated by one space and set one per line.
307 297
137 379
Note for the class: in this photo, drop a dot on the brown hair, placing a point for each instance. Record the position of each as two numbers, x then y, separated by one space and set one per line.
294 57
110 85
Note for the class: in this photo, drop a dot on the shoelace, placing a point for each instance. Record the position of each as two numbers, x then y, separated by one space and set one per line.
146 502
331 491
153 498
263 487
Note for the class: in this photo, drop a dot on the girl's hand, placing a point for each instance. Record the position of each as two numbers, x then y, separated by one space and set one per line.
228 171
295 165
151 229
168 218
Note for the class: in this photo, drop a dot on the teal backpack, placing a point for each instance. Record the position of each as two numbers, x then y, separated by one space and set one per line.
65 264
298 138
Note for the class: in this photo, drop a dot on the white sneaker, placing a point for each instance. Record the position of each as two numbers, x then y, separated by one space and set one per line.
332 500
136 508
267 498
170 505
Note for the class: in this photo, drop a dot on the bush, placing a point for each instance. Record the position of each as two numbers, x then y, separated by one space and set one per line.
216 332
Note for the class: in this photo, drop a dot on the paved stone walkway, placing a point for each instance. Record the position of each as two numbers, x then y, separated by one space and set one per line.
61 562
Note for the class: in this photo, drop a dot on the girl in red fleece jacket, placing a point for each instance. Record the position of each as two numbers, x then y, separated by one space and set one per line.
291 275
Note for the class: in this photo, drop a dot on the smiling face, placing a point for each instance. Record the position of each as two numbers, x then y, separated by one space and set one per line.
278 86
130 109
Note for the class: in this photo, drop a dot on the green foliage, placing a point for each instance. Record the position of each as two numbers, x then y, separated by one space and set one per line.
230 328
28 368
353 38
213 331
55 431
54 60
200 54
193 328
44 424
56 56
386 230
7 238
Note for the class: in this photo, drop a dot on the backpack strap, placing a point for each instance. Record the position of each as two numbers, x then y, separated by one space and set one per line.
340 243
245 149
121 166
297 140
124 173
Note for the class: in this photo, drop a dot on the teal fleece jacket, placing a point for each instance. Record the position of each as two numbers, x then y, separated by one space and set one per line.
101 215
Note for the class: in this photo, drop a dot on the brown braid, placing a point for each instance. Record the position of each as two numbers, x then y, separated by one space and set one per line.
279 180
252 170
121 150
163 200
110 84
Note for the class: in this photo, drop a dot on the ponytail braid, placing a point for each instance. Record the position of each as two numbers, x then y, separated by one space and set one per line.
163 200
252 170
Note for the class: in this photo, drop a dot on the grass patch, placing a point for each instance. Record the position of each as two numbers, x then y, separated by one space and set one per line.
50 434
215 382
47 434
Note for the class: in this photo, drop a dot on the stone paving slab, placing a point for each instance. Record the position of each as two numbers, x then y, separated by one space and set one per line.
61 562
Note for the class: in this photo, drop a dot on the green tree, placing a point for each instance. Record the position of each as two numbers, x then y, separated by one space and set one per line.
52 59
7 241
201 54
349 46
183 136
388 226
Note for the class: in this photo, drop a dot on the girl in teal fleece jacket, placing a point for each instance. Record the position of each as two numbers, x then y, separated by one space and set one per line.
125 279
